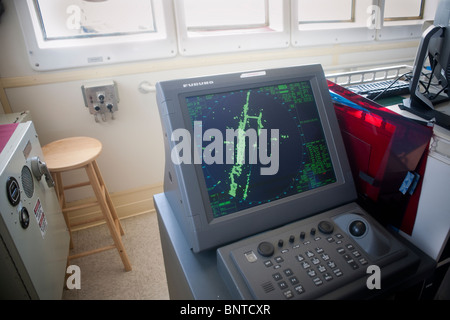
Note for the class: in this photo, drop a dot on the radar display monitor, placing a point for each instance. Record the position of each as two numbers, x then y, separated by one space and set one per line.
247 152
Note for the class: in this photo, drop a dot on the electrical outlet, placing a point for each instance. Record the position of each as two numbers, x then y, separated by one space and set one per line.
101 98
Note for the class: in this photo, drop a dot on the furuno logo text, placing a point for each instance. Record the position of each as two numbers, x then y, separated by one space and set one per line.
197 84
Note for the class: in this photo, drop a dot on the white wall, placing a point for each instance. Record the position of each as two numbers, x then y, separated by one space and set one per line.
132 144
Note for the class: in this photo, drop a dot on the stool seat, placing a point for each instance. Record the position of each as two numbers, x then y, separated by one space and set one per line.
71 153
81 153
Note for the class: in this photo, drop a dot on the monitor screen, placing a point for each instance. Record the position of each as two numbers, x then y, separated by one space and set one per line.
247 152
302 162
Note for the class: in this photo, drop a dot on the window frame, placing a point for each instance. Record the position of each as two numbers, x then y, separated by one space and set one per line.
408 28
419 17
234 27
351 20
231 39
71 53
326 33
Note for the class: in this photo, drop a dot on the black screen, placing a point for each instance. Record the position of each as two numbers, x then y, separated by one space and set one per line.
301 162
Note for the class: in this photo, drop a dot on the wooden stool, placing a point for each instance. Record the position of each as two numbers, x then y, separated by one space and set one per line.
82 152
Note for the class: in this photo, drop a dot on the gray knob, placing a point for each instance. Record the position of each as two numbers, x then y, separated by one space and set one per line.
39 169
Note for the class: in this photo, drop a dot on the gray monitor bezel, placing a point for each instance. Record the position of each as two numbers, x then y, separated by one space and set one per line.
190 200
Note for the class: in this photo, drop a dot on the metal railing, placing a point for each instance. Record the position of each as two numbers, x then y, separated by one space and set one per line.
367 76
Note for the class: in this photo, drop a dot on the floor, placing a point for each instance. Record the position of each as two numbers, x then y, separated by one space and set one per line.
103 276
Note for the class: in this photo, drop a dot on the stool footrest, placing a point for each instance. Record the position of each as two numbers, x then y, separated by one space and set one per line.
87 253
87 221
78 185
81 206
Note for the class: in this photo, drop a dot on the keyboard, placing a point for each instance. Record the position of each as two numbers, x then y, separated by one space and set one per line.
373 89
311 258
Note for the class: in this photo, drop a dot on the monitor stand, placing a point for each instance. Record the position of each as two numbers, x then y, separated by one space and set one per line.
415 107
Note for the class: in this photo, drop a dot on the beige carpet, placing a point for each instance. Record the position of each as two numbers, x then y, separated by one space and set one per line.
102 274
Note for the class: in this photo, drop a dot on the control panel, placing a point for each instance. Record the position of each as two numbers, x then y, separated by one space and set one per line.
101 98
309 258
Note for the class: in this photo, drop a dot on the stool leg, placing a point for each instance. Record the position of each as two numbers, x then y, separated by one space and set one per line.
112 209
113 228
57 178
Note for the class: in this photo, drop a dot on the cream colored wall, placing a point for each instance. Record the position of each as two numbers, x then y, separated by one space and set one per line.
133 146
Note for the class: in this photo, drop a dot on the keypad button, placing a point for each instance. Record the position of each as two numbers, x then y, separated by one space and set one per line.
327 277
331 264
305 265
251 256
293 280
317 281
363 261
299 289
288 272
283 285
288 294
311 273
321 269
338 272
325 257
277 276
309 254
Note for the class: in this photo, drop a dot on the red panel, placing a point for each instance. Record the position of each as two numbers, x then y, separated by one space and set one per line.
382 148
6 131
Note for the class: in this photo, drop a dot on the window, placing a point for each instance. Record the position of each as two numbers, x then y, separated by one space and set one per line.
61 34
210 15
75 19
322 22
75 33
403 10
330 11
403 19
213 26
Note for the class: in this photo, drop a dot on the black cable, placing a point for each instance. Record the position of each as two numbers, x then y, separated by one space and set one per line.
387 88
429 77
